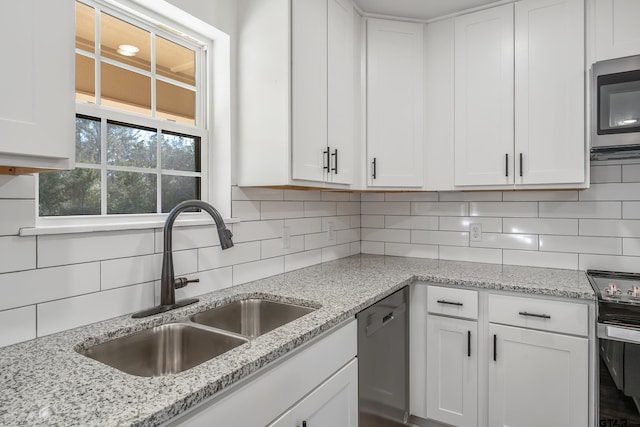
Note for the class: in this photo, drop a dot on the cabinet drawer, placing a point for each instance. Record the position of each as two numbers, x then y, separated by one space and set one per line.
556 316
452 302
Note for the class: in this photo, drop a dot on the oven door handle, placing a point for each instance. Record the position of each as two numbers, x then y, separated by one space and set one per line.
618 333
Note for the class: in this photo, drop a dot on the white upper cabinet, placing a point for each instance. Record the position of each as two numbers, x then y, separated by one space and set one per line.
37 107
395 103
549 92
617 31
520 95
296 93
484 97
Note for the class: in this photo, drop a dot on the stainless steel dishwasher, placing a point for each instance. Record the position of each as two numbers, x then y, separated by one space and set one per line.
383 362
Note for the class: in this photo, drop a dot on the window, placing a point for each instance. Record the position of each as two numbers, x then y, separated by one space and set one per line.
141 133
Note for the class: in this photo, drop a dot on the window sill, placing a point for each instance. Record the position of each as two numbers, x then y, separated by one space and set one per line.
98 226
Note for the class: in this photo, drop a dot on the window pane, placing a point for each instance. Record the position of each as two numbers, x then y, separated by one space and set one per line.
117 35
85 79
131 146
85 27
88 140
176 189
175 61
125 90
175 103
131 192
74 192
180 152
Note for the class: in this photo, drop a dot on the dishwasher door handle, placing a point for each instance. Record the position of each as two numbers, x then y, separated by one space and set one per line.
379 322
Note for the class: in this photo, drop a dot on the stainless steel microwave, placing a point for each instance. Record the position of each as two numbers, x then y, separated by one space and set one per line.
615 112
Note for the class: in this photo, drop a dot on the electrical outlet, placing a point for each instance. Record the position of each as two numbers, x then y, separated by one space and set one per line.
475 232
286 237
331 226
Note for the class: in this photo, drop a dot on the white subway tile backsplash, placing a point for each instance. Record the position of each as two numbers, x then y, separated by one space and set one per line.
386 235
335 252
630 247
280 210
631 210
18 186
540 226
303 225
355 197
354 248
610 262
580 210
16 214
64 249
606 173
348 236
18 253
312 209
214 257
302 259
502 209
355 221
273 247
614 191
339 222
303 195
372 197
17 325
245 210
385 208
451 238
411 250
610 227
539 196
372 221
335 196
256 230
411 197
631 173
243 273
56 316
46 284
440 208
348 208
245 193
317 241
581 244
461 223
470 196
541 259
527 242
459 253
373 248
411 222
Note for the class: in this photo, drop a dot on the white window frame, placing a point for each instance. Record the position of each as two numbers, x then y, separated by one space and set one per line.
216 120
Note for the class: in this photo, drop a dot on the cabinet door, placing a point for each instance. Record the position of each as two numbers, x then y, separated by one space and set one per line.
395 95
37 110
549 92
537 378
309 89
452 371
617 29
334 403
340 91
484 97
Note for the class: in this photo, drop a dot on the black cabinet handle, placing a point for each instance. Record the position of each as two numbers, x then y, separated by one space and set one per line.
327 166
542 316
468 343
495 347
335 161
506 164
520 164
374 168
442 301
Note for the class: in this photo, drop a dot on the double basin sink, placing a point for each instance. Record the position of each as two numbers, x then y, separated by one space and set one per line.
176 347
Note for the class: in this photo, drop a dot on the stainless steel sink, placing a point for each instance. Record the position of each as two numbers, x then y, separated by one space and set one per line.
162 350
251 317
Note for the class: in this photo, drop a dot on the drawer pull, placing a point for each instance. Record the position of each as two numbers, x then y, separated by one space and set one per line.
468 343
441 301
542 316
495 347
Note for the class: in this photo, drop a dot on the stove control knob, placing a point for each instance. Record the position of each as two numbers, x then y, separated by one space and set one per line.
634 291
612 290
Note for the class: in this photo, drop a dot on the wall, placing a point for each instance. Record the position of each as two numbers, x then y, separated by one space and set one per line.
596 228
50 283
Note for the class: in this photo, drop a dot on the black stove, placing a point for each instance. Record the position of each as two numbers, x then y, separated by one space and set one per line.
618 297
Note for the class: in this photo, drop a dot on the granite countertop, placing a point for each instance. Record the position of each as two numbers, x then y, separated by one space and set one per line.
46 382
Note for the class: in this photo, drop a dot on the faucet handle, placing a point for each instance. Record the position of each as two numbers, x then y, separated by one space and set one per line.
181 282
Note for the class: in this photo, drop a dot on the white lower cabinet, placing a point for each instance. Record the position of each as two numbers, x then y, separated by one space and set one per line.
452 370
537 379
334 403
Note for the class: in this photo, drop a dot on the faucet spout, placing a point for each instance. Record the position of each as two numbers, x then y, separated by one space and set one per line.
168 280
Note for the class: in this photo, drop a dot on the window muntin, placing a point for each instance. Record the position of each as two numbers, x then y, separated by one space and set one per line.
140 136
